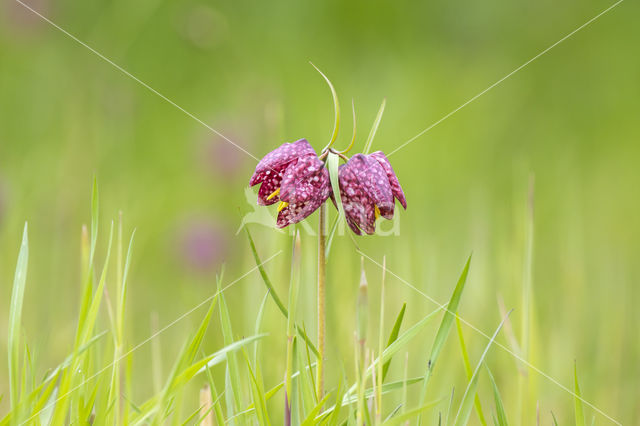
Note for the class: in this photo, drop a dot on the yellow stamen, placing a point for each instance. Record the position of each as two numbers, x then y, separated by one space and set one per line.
377 210
273 194
282 205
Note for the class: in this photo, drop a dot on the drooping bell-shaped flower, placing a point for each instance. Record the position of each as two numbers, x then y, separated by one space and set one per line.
368 189
293 175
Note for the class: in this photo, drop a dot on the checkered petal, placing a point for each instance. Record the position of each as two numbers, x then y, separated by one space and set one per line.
295 212
373 179
306 179
359 208
367 183
391 175
270 170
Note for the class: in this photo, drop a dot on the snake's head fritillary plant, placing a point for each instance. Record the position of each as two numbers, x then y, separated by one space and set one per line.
368 189
299 179
293 175
363 189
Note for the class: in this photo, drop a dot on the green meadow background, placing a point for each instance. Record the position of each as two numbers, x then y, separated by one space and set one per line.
548 159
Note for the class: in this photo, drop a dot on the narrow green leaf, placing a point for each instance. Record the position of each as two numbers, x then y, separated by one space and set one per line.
374 128
183 369
333 162
272 291
394 412
399 343
335 415
232 363
336 108
259 316
395 331
331 235
464 411
501 417
257 394
468 371
309 369
293 300
350 399
124 288
303 394
217 405
386 388
46 407
92 312
311 417
410 414
263 274
15 318
219 356
192 416
445 327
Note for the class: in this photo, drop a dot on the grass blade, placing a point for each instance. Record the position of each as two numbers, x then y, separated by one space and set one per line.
259 316
501 416
467 369
410 414
336 108
233 393
272 291
258 394
392 338
579 409
311 417
398 344
374 128
445 327
15 318
462 417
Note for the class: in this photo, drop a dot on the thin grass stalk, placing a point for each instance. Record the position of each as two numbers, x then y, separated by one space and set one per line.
116 384
374 387
380 346
469 371
15 321
291 330
361 341
322 233
404 385
526 300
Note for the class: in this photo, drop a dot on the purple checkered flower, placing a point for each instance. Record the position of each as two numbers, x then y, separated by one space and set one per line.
368 189
293 175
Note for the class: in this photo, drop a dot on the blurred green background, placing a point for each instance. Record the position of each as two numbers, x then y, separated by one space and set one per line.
570 120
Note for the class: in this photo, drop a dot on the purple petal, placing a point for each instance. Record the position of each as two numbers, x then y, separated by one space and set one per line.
306 179
359 208
270 184
393 179
280 156
373 179
296 212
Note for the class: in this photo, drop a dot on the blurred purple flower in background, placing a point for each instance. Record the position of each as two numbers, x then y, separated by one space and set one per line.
202 244
222 159
203 26
22 19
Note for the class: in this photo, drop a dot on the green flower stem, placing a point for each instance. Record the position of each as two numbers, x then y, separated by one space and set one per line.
322 232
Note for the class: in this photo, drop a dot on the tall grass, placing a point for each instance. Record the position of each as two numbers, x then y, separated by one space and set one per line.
90 384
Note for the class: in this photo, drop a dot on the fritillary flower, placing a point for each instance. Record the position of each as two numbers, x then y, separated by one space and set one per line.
368 189
293 175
